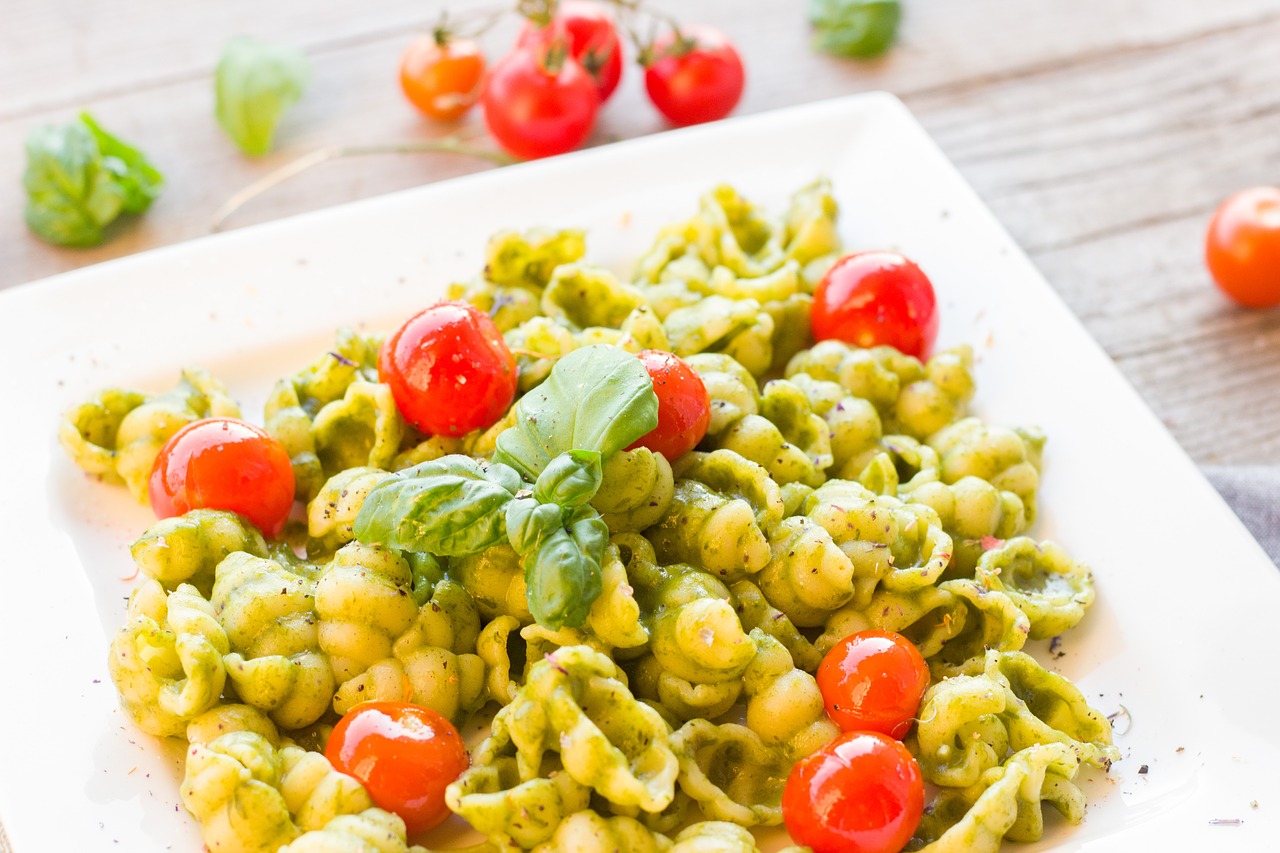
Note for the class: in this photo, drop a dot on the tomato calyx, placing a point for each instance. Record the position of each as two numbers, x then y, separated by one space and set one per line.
553 54
681 44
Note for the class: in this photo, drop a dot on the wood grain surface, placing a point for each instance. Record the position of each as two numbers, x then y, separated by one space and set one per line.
1102 133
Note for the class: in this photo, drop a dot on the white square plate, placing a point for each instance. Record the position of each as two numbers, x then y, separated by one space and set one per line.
1181 635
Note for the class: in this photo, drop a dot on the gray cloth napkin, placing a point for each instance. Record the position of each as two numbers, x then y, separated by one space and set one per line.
1253 491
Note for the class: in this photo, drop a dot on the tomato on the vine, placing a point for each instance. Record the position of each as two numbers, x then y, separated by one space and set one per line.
224 463
861 793
539 100
873 681
684 408
405 756
873 298
694 75
449 369
1242 248
442 76
592 37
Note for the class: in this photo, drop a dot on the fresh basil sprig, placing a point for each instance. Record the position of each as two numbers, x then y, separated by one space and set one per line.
589 407
597 398
254 84
859 28
79 179
449 507
456 505
563 574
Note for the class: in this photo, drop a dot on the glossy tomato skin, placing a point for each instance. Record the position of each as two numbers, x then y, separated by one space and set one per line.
593 41
861 793
224 463
695 76
684 408
405 755
1242 247
540 102
443 79
449 370
873 681
873 298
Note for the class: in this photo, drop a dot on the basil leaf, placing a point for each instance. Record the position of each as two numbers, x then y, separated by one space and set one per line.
597 398
857 28
591 533
571 479
137 178
563 575
451 506
79 179
529 523
254 84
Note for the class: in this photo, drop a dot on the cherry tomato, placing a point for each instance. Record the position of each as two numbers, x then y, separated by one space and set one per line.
224 463
861 793
1242 248
872 298
539 101
684 409
442 77
405 755
873 681
593 41
449 370
694 75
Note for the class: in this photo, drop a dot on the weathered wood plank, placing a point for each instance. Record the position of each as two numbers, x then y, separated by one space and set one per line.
1109 182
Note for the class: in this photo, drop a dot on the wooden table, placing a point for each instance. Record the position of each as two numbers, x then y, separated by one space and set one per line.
1102 133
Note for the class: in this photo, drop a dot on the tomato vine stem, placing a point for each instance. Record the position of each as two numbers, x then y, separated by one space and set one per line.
447 144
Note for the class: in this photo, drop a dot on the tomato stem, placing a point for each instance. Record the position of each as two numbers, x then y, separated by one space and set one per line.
446 144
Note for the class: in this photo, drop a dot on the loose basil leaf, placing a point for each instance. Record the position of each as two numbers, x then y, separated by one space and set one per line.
597 398
563 576
79 179
254 84
857 28
139 180
571 479
529 523
451 506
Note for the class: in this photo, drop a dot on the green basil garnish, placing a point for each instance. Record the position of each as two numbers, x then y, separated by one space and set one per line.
79 179
254 84
859 28
597 398
563 575
452 506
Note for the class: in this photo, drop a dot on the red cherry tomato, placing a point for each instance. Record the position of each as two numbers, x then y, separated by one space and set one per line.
449 370
593 41
694 76
873 681
224 463
872 298
1242 247
861 793
442 77
404 755
684 409
539 101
